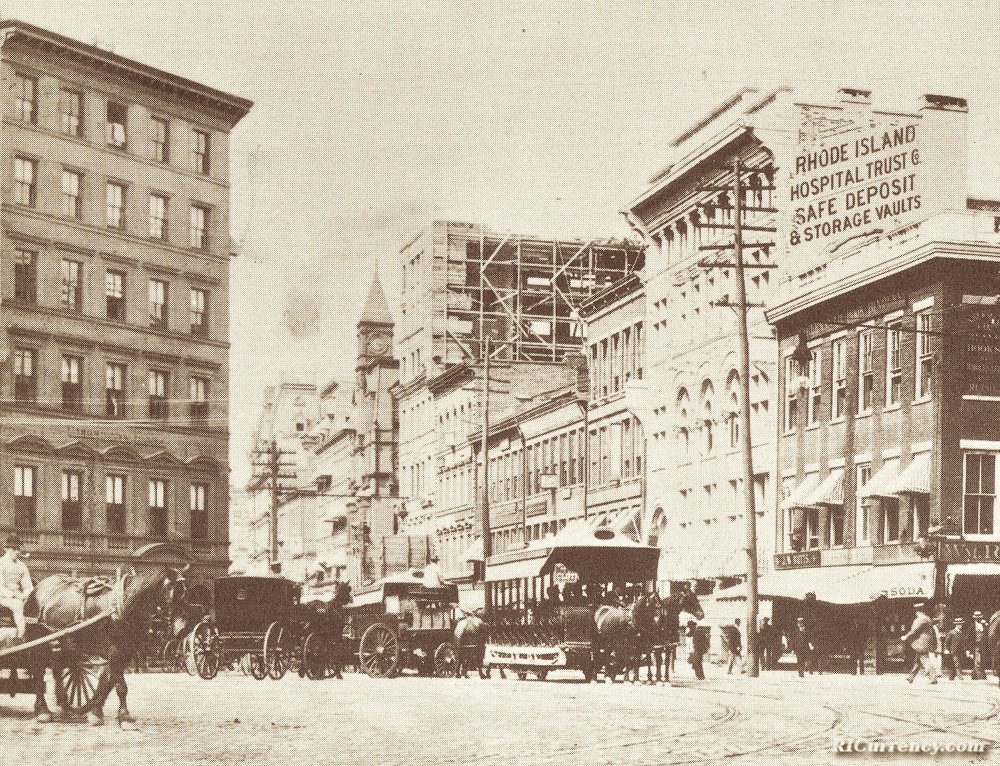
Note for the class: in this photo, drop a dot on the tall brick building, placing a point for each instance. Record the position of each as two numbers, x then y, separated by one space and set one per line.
115 288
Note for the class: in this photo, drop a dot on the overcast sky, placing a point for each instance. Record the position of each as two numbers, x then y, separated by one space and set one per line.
372 119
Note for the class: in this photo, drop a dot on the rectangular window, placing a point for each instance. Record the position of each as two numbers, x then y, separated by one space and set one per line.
158 304
925 356
158 521
25 381
836 526
866 371
201 150
199 227
71 112
812 528
117 114
791 394
24 497
198 390
890 511
25 99
980 493
160 148
72 509
72 390
893 365
114 290
116 205
199 516
158 387
25 276
71 295
815 385
199 315
921 514
839 406
862 531
25 172
114 498
72 202
115 390
157 216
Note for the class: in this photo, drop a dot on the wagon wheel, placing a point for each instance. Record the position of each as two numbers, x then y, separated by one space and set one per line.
254 665
521 675
541 674
445 661
316 656
168 660
81 680
205 651
187 655
277 657
378 652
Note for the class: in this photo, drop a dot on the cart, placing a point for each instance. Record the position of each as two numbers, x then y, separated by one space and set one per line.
252 626
530 631
399 623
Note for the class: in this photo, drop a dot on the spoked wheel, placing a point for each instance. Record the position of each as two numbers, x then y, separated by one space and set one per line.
168 661
316 656
187 655
378 652
277 656
81 680
255 666
541 675
445 661
206 652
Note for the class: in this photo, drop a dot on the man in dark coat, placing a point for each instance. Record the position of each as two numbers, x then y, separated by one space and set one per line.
699 646
803 645
977 638
922 638
956 648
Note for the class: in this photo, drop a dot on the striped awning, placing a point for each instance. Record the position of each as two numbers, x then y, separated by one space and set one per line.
801 493
877 484
830 491
915 478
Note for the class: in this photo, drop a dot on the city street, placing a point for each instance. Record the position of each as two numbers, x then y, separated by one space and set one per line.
777 719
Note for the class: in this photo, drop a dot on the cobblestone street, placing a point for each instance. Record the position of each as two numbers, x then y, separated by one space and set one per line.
777 719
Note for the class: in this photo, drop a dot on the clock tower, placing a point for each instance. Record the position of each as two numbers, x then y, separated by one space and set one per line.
374 328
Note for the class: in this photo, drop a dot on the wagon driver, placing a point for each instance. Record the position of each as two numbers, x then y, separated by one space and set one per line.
15 581
432 574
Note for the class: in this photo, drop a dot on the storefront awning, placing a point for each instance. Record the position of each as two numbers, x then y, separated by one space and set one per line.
915 478
801 493
792 583
877 484
977 569
474 551
830 491
894 581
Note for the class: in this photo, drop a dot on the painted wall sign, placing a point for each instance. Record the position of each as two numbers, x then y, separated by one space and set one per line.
982 351
967 552
796 560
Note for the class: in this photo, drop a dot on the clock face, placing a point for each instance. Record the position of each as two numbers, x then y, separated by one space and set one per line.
378 344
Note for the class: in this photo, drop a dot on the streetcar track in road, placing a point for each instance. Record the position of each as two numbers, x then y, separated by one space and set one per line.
942 729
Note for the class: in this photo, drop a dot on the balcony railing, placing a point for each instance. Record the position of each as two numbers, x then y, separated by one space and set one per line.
39 542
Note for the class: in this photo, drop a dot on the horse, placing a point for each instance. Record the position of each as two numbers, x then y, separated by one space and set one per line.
325 619
59 602
470 639
658 623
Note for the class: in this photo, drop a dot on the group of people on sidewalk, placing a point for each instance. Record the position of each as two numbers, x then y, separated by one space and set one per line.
936 654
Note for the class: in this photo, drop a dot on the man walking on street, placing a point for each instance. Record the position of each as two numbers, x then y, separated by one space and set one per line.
978 639
922 638
732 640
699 645
802 645
956 647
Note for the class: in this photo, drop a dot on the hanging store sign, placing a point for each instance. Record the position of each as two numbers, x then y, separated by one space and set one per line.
796 560
981 369
561 574
964 551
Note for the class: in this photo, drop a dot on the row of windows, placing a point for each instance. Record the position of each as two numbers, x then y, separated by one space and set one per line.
73 503
116 283
116 374
815 381
159 132
615 360
116 196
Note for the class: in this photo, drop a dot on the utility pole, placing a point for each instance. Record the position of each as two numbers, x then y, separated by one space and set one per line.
742 307
269 467
484 493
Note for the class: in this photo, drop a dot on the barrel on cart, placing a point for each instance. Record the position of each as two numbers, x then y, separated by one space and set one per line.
401 624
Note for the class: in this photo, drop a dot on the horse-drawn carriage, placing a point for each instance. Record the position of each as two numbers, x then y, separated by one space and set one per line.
399 623
561 605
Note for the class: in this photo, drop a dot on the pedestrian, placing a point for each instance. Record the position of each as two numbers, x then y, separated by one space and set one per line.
699 646
765 644
15 581
922 638
978 639
732 642
803 645
956 648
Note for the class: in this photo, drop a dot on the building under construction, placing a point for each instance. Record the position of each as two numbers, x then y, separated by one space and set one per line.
463 282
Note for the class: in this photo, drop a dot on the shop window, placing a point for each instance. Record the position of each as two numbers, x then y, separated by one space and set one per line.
980 493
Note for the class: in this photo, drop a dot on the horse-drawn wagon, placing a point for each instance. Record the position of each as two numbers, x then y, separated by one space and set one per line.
400 623
560 605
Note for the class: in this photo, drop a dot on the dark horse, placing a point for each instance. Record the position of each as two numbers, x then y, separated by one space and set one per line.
470 640
325 650
657 621
83 678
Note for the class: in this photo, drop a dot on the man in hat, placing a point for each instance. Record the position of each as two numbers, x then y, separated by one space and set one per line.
15 581
699 646
922 638
432 573
978 639
803 645
956 648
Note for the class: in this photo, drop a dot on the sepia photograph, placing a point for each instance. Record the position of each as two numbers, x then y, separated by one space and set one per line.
560 383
